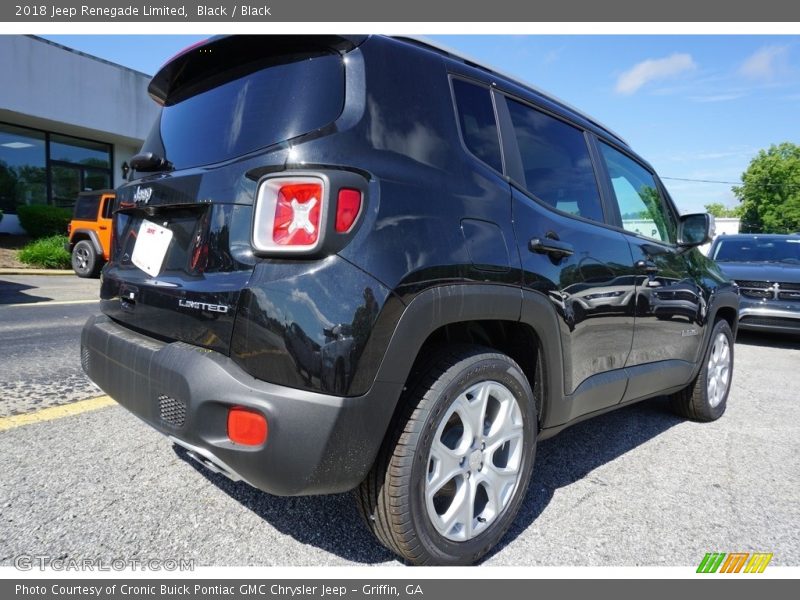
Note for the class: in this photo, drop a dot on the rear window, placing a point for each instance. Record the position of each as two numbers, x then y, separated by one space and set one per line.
269 104
86 208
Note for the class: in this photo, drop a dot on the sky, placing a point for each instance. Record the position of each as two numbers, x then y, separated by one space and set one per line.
696 107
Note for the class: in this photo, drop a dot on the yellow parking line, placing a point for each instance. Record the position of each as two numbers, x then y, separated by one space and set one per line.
55 412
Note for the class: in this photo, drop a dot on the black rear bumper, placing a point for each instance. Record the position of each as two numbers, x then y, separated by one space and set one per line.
316 444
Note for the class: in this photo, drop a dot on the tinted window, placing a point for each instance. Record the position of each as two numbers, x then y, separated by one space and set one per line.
556 161
86 208
640 203
478 125
108 208
758 250
263 107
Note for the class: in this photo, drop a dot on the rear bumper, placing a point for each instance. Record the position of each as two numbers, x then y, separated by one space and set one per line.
316 444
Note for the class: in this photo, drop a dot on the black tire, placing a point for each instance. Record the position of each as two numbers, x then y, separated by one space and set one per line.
85 261
695 402
392 497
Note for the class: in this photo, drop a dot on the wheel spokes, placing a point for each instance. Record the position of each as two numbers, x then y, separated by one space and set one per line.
718 370
444 465
474 461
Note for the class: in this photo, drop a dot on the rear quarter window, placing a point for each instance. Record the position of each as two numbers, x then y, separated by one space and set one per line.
477 122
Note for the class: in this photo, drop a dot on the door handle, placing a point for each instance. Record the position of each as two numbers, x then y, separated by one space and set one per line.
555 248
102 227
646 266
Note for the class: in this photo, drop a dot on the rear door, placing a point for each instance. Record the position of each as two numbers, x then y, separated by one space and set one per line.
567 251
670 304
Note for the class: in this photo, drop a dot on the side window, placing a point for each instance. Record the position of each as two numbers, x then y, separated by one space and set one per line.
478 125
556 161
86 208
640 203
108 208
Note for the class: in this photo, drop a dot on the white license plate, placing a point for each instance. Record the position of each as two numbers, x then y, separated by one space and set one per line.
151 246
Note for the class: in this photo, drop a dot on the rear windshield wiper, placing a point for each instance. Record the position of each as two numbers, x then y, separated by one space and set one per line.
149 162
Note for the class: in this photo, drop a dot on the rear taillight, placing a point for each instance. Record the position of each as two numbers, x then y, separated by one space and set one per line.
297 214
69 229
309 213
289 214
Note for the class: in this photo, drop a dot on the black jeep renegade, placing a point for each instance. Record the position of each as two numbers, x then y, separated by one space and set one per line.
349 262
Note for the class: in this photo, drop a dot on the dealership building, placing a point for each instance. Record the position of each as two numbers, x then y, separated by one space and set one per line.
69 122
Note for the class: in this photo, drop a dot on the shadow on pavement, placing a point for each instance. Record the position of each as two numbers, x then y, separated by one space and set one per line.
574 453
11 293
332 523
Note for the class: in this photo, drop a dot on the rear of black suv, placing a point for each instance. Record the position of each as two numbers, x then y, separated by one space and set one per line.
362 262
218 335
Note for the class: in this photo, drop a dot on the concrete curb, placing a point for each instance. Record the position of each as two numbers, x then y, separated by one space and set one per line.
36 272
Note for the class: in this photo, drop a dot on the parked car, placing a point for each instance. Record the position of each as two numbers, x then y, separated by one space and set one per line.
442 211
89 232
767 270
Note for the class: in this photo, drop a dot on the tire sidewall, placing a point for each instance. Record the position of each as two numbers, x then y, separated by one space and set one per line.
91 266
446 551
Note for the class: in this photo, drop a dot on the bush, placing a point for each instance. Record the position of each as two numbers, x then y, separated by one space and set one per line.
40 220
46 253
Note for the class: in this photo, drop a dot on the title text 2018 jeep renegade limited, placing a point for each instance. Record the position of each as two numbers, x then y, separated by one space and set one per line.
348 262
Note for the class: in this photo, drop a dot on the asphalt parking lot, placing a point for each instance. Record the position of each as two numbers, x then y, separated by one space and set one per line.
634 487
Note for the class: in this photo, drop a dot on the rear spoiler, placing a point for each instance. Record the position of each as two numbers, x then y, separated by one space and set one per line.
223 58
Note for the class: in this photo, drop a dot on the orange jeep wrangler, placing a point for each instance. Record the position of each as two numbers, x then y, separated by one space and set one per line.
90 232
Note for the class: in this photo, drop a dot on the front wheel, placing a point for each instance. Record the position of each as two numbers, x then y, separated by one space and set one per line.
452 474
706 398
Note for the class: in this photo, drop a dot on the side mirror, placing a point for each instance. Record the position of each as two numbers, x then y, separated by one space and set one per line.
695 229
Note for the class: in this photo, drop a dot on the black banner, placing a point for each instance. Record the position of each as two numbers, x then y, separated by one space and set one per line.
360 11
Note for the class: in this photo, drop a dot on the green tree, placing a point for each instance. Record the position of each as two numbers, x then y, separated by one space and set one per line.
720 210
770 191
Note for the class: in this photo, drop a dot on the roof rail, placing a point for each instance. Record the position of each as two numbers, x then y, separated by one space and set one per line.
473 62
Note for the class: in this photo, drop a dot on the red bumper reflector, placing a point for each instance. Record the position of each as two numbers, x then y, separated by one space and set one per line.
246 427
347 207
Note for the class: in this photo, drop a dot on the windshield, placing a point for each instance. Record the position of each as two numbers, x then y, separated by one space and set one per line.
758 250
223 118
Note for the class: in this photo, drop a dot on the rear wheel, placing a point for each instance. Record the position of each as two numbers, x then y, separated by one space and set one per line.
452 474
706 398
85 261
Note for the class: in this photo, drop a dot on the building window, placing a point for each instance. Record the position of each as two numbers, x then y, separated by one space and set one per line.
38 167
23 167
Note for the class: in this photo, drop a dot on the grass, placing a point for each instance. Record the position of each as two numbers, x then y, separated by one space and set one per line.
46 253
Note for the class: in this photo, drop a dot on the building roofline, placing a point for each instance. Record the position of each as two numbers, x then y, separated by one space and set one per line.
86 55
458 55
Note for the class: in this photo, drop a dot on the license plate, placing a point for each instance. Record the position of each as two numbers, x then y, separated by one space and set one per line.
151 246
